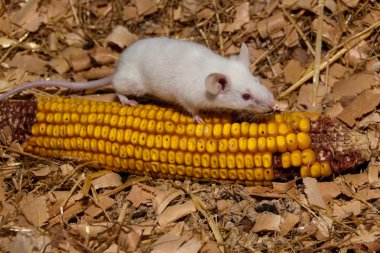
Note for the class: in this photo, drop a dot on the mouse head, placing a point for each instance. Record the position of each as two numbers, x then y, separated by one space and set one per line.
236 88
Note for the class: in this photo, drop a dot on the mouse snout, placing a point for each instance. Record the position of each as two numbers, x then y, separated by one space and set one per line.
266 104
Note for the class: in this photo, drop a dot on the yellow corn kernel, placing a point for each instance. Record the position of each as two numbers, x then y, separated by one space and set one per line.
151 125
244 129
57 118
199 128
143 125
253 130
166 141
49 130
226 131
222 145
304 125
271 144
283 129
315 170
242 143
142 139
112 134
248 161
211 146
272 129
191 144
150 141
135 137
214 173
190 129
169 127
180 129
262 129
201 145
233 145
154 154
239 159
206 173
267 160
262 144
207 131
163 154
50 118
108 147
105 132
231 163
119 135
235 130
291 141
222 160
214 161
325 169
160 127
278 118
171 157
158 141
250 174
183 143
303 140
223 174
127 135
281 143
286 160
308 156
268 174
205 160
305 171
41 117
252 145
257 158
232 174
241 175
174 142
296 158
294 121
259 174
217 131
114 148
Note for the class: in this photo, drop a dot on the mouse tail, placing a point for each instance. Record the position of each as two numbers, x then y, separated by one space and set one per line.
70 85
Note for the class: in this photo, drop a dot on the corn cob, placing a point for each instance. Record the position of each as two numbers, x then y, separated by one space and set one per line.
160 141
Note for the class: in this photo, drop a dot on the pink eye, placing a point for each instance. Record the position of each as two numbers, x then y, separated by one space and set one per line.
246 96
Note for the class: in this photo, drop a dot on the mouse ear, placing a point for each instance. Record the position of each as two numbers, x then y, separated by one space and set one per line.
244 55
216 83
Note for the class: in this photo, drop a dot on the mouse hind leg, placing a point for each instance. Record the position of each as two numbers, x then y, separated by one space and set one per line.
126 101
194 112
125 85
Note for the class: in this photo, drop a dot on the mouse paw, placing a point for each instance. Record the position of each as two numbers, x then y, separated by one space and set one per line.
198 119
125 101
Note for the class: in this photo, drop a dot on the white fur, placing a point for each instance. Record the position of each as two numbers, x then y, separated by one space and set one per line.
175 71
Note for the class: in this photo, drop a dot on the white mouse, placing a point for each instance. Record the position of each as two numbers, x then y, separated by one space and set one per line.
180 72
190 75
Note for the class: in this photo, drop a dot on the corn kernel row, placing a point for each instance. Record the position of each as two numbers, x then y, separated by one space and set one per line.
139 166
229 160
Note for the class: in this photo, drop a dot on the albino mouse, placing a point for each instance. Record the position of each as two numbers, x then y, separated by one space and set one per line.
180 72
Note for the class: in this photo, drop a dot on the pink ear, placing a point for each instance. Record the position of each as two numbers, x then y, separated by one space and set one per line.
244 55
216 83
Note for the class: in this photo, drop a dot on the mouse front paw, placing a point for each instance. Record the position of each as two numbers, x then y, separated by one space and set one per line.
125 101
198 119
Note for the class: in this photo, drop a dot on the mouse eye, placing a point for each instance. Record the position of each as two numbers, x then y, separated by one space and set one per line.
246 96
